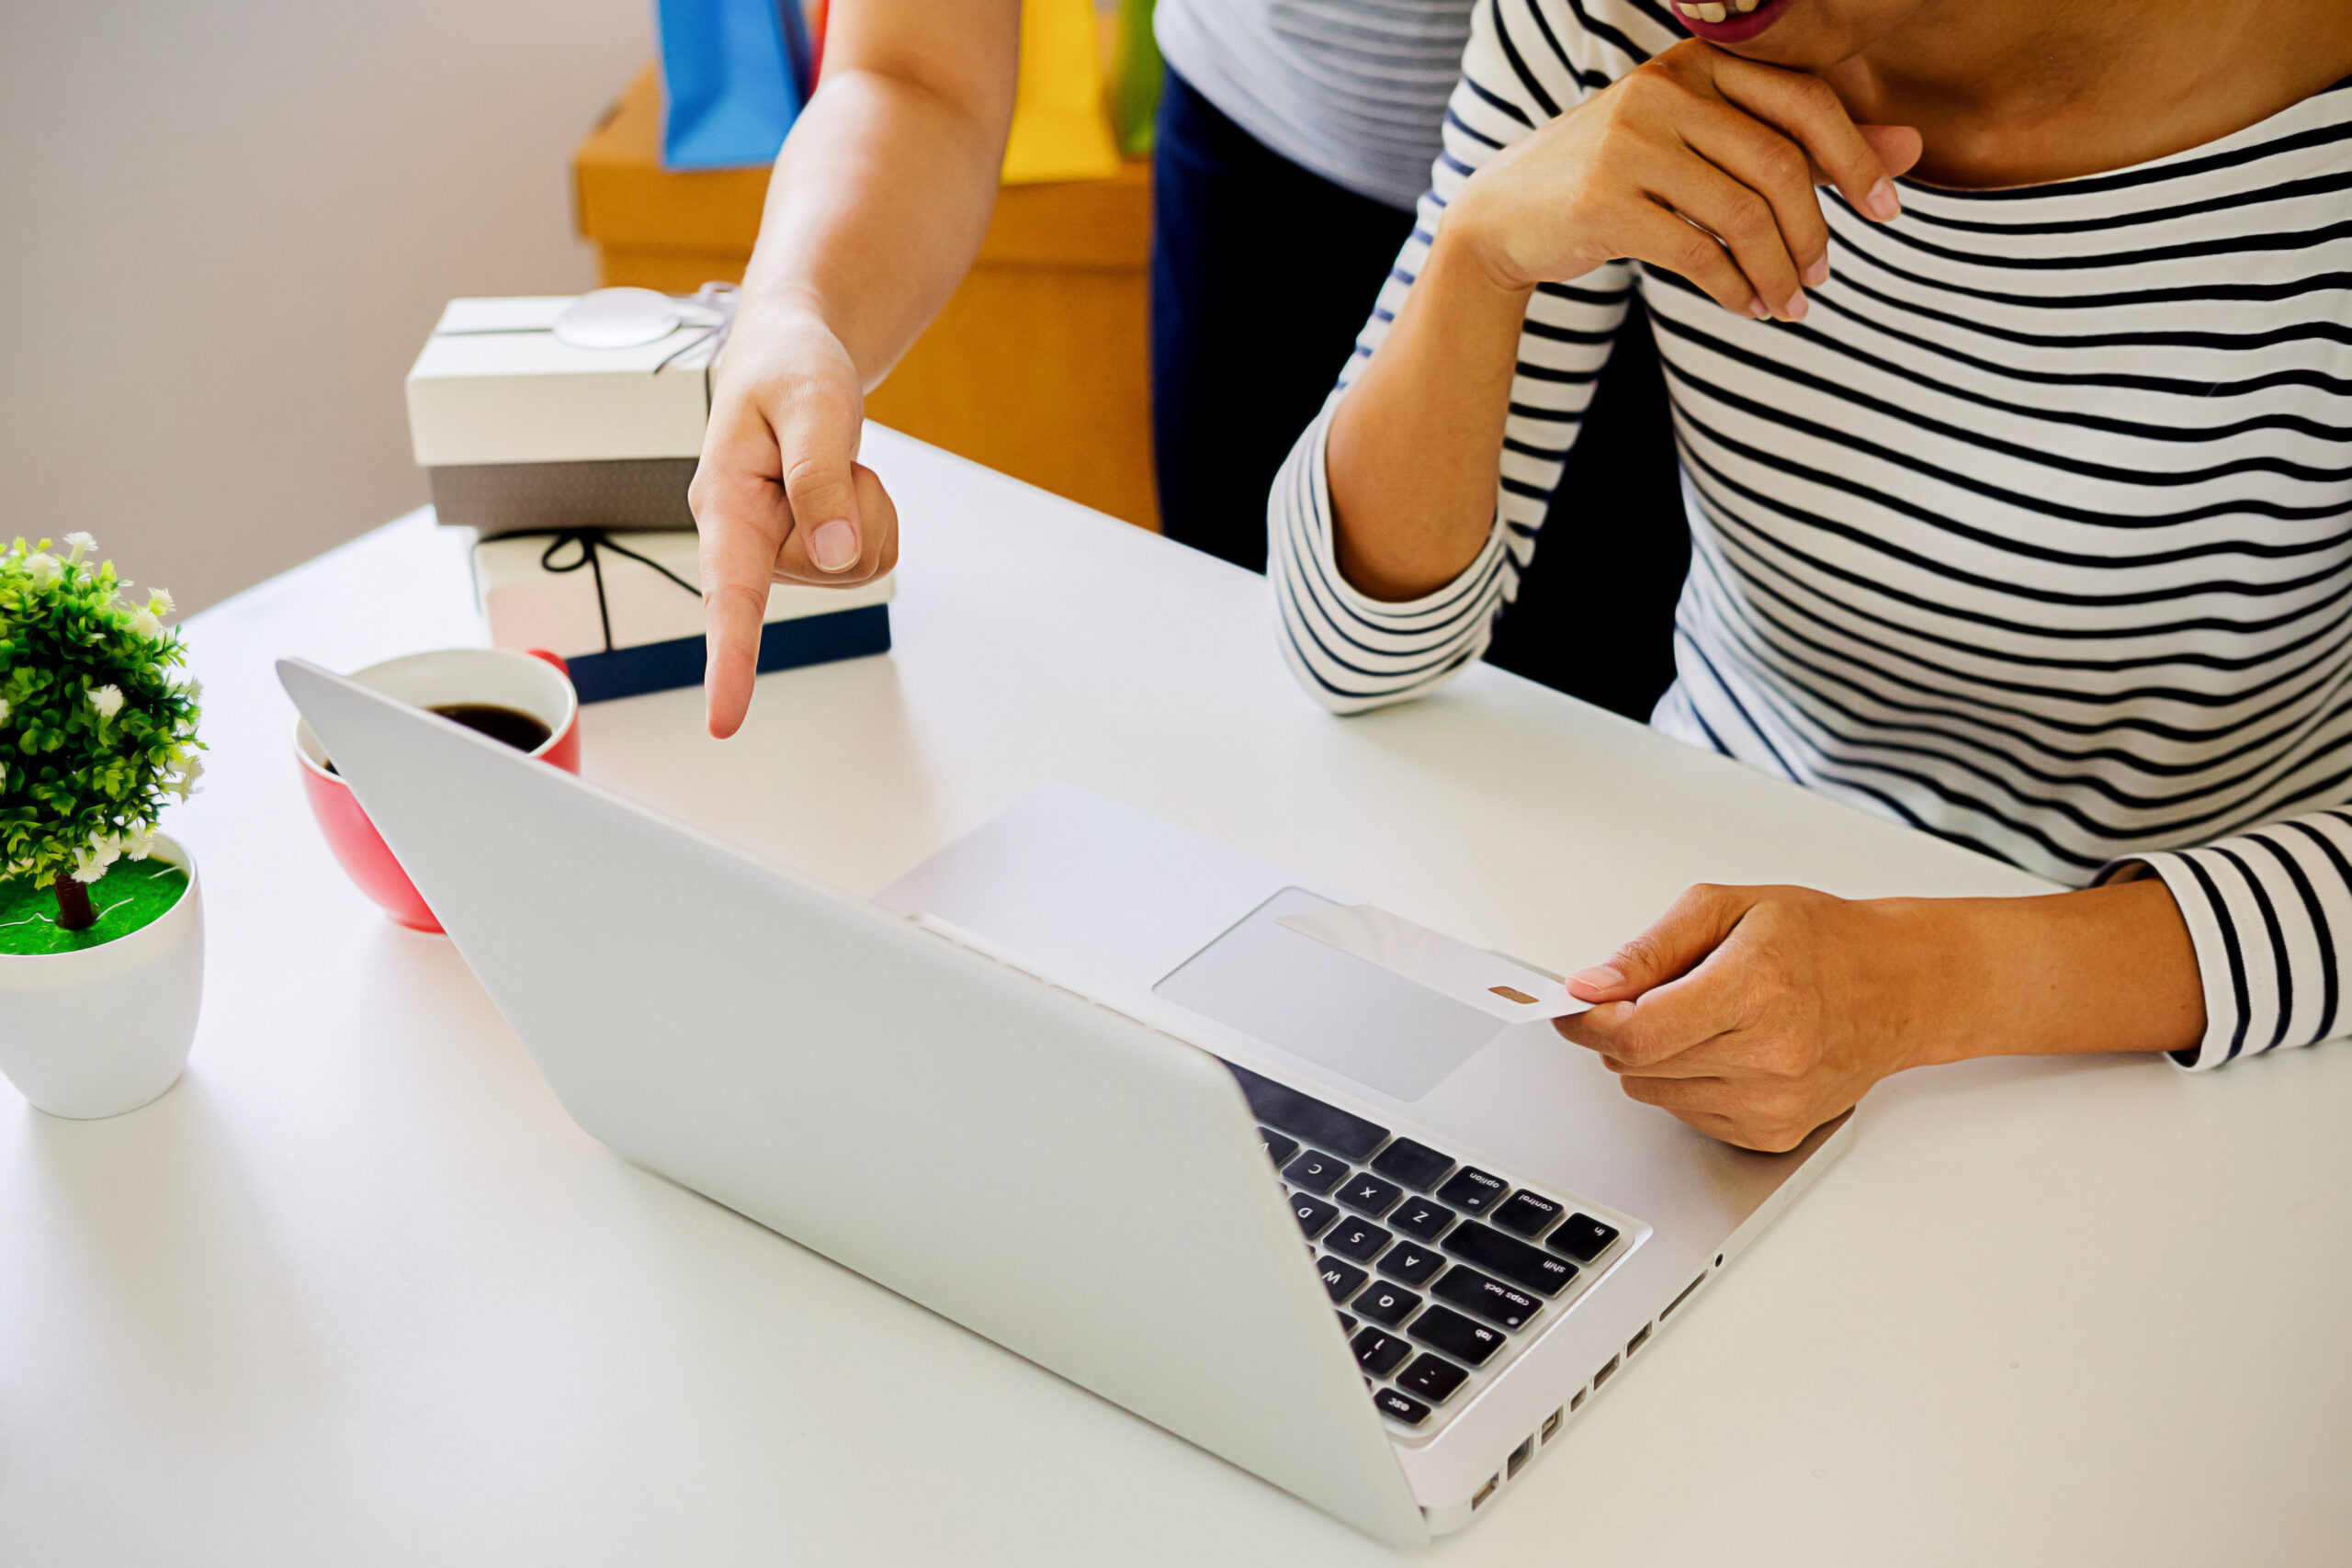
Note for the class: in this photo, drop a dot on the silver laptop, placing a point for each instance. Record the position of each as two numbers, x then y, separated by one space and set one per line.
1072 1085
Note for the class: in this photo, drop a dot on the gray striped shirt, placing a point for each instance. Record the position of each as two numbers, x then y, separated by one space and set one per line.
1352 90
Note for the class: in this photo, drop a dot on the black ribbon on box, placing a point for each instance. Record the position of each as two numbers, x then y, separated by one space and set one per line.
591 541
679 661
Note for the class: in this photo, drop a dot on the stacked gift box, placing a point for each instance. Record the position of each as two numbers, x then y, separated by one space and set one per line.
564 430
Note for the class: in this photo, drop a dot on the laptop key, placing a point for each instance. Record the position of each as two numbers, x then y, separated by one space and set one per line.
1386 1306
1347 1324
1510 1257
1411 1263
1278 1148
1367 1194
1313 1213
1473 1191
1583 1238
1420 1217
1449 1331
1359 1239
1317 1173
1305 1117
1433 1377
1526 1214
1416 1165
1488 1297
1378 1353
1340 1279
1401 1408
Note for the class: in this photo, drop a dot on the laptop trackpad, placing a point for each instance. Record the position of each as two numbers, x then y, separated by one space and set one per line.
1335 1010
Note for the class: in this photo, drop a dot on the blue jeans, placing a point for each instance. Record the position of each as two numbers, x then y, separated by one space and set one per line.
1262 272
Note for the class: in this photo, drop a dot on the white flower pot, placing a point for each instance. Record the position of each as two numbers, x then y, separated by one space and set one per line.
106 1030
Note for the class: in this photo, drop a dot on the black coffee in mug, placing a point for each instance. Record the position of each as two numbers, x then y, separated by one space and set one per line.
517 729
514 728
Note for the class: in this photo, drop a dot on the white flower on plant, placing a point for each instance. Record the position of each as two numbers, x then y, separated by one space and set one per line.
159 602
144 623
139 841
108 700
91 862
4 710
45 570
80 544
184 785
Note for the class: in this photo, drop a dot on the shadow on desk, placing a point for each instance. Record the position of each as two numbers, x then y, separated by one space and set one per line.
167 1254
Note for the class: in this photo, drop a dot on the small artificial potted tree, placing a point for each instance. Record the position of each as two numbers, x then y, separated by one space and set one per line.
101 919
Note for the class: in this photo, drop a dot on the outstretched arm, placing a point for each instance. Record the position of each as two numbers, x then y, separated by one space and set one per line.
878 203
1757 1013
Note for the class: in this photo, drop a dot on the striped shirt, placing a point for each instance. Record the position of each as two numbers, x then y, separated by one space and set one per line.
2036 534
1352 90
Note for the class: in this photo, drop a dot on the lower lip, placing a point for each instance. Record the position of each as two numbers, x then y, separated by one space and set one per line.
1735 28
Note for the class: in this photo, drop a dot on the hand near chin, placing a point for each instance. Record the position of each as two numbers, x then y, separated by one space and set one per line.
1756 1014
1699 161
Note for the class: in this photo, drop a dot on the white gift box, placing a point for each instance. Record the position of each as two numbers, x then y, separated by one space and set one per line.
624 610
553 411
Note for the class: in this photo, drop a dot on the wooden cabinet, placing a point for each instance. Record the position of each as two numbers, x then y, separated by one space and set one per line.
1040 365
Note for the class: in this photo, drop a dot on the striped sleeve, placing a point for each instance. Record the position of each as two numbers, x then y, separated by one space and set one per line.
1353 652
2264 908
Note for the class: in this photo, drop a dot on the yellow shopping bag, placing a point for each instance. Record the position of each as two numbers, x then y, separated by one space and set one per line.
1060 128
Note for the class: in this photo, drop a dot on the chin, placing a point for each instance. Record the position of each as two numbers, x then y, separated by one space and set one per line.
1798 35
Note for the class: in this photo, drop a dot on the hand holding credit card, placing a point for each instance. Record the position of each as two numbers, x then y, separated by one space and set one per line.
1471 975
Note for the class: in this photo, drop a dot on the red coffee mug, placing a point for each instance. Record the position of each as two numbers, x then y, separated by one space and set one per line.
538 683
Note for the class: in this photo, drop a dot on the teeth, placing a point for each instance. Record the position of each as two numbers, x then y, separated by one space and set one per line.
1746 5
1710 12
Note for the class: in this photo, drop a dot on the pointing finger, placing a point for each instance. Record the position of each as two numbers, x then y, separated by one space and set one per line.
738 552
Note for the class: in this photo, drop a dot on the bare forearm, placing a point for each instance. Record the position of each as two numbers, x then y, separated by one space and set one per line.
1415 446
2105 969
878 203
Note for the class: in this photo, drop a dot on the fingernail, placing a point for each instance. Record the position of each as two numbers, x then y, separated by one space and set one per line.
1817 274
1882 202
1796 307
833 547
1761 310
1599 977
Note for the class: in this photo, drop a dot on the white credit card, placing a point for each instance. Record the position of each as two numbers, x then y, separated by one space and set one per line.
1470 975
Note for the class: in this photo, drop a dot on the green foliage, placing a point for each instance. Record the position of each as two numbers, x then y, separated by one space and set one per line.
95 732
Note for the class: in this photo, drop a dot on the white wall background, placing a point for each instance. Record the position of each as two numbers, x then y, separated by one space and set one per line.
226 227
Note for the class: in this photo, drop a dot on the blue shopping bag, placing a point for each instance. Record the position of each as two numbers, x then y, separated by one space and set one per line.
734 74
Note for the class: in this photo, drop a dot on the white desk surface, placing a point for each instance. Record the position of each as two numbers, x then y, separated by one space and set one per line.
356 1292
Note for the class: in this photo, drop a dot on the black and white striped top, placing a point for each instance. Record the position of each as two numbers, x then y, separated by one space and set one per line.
2036 534
1352 90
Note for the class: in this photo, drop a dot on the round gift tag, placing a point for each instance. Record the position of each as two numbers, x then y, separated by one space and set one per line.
619 318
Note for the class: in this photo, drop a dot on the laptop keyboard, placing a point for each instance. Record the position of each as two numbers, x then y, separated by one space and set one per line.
1438 1268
